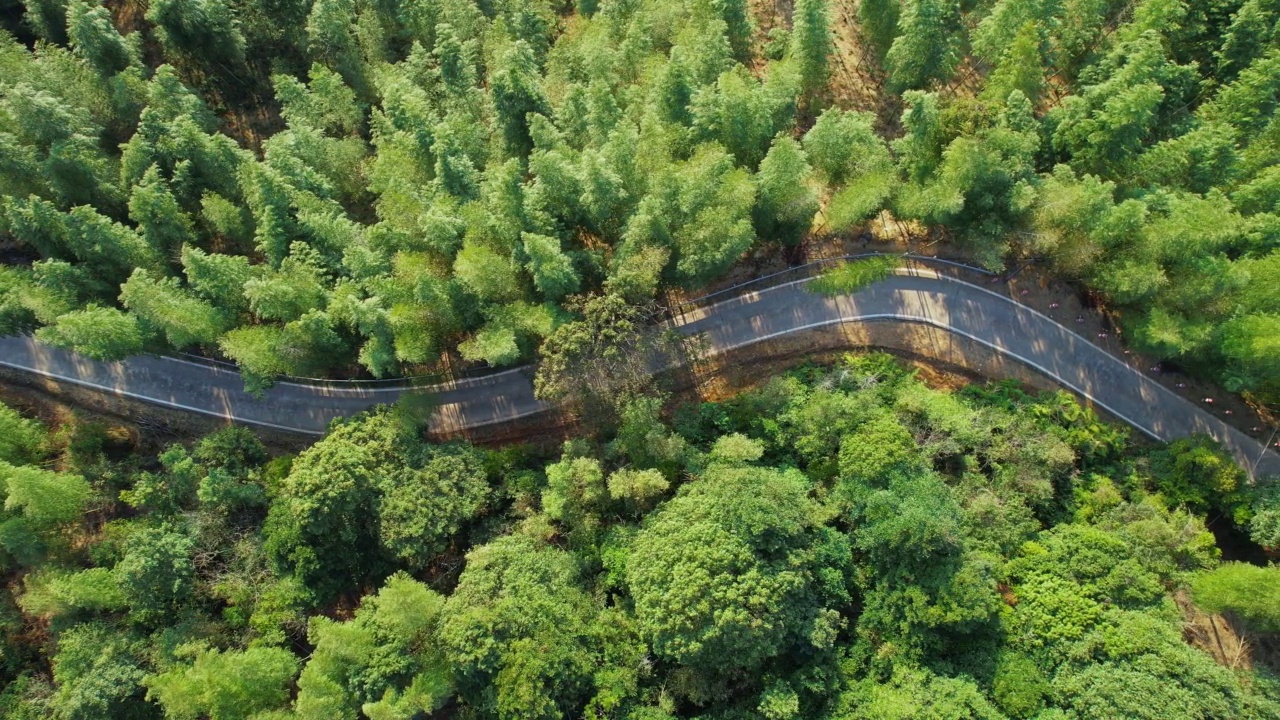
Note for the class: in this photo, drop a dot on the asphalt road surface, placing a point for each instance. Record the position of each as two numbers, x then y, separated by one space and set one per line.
918 296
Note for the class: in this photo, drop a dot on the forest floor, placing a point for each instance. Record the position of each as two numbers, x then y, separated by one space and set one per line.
857 81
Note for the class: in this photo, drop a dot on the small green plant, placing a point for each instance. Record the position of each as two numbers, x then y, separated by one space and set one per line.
854 276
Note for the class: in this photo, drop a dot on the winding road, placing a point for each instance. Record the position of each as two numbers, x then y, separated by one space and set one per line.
913 296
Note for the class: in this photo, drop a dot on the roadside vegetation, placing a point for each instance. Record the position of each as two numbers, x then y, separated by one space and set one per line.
854 275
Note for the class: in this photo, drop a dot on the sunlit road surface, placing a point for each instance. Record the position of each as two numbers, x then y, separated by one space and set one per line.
916 296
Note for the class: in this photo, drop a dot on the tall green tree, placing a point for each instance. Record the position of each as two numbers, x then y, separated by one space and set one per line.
1020 68
843 147
785 204
319 526
199 31
232 685
594 362
99 672
22 440
907 526
41 505
95 38
811 44
733 572
742 113
701 213
164 224
738 22
218 278
926 48
982 187
553 272
1104 126
165 305
424 505
1001 28
98 332
1252 30
157 575
518 631
386 662
516 88
111 249
325 103
48 19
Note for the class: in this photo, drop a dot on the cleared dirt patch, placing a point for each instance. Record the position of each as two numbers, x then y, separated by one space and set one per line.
1217 635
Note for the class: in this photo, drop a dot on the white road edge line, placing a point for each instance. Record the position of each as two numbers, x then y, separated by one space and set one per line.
159 401
703 312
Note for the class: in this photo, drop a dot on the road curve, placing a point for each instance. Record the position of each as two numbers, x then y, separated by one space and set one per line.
917 296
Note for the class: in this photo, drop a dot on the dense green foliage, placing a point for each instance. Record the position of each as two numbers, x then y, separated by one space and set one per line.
448 176
841 543
441 177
